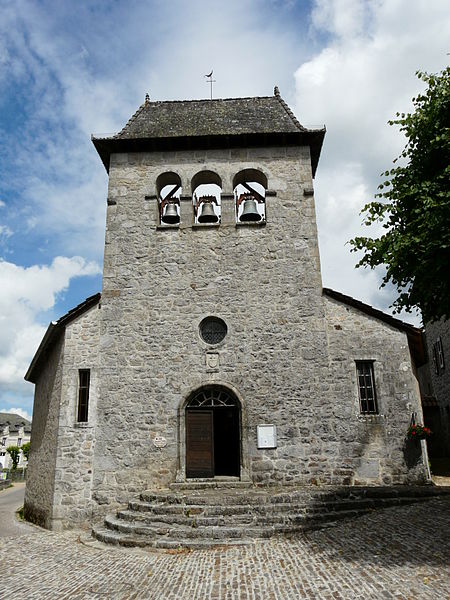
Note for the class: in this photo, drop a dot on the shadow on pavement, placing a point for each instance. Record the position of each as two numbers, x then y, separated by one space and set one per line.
416 534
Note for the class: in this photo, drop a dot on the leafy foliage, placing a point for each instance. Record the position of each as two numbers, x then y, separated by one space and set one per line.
413 206
26 450
14 452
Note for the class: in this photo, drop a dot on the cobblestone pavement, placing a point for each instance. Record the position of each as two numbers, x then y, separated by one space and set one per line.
400 553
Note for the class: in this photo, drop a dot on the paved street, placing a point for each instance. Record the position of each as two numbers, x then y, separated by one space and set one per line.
400 553
10 500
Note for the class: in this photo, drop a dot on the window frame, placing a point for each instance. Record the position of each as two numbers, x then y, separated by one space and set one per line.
84 382
440 362
364 368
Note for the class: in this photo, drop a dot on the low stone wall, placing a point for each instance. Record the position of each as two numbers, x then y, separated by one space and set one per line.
4 483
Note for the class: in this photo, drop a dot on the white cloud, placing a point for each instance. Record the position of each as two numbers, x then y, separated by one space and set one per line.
357 82
27 292
2 204
5 231
17 411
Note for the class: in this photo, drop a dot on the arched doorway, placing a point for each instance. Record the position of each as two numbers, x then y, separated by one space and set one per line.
213 434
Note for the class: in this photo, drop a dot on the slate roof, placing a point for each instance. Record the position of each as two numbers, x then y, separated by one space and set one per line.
230 116
230 122
53 331
14 422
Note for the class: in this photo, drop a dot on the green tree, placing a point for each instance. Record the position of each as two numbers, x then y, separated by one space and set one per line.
413 207
26 450
14 452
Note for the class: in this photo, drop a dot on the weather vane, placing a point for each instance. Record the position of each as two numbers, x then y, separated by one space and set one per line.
210 81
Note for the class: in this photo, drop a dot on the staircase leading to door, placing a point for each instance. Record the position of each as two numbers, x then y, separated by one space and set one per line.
205 515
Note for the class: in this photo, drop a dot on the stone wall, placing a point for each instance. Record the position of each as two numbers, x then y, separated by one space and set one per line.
158 285
371 449
288 355
38 506
440 383
76 441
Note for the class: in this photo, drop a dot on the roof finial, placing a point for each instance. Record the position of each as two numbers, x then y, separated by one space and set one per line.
276 91
147 99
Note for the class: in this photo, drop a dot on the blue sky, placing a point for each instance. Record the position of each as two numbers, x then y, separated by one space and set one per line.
69 69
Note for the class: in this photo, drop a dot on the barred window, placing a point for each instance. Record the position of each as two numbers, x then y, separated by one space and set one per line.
83 395
366 387
438 357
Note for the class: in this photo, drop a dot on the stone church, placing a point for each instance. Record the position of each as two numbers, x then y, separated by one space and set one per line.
213 353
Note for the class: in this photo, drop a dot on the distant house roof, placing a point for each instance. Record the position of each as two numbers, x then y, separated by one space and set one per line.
171 125
14 422
415 335
53 331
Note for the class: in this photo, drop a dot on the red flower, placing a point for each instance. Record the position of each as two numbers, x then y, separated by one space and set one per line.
413 433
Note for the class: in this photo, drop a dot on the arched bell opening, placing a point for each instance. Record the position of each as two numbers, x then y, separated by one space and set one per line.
249 188
168 190
213 434
206 197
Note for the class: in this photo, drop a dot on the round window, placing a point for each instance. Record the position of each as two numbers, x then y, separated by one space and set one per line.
213 330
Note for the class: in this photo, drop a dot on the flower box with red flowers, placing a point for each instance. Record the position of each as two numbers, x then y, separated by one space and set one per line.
418 432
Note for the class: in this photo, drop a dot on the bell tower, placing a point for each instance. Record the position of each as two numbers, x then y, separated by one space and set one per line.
212 320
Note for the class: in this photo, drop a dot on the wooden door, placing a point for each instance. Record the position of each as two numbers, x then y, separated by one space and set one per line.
199 443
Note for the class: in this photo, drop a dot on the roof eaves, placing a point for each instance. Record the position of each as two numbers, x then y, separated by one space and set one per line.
53 331
371 311
47 341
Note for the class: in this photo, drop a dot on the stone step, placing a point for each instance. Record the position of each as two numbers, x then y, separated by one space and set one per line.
242 520
207 484
109 536
260 496
219 532
191 510
206 517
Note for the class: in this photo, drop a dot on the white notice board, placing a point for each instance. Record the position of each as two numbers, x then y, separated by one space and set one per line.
267 436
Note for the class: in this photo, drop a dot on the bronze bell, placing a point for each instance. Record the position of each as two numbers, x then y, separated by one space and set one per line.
250 212
208 215
171 216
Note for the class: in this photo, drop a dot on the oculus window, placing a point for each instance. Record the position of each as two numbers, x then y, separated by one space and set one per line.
213 330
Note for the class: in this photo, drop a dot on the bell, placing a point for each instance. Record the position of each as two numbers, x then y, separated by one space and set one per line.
208 215
250 212
171 215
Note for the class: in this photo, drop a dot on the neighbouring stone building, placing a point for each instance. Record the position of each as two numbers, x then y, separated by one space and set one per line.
14 431
435 388
213 351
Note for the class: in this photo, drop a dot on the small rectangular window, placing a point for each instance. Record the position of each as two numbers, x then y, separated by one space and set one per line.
366 387
4 441
83 395
19 442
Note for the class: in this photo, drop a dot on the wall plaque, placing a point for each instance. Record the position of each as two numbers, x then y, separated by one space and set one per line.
267 436
159 441
212 361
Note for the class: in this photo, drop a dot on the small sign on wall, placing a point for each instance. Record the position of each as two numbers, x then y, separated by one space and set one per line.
159 441
267 436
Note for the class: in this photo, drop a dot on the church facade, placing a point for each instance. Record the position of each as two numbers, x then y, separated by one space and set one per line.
213 352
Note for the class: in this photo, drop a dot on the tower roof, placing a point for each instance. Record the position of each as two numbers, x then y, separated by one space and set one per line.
230 122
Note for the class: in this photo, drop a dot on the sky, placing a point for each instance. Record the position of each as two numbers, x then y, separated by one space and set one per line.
69 69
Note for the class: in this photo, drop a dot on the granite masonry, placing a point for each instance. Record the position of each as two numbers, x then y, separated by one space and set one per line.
287 373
